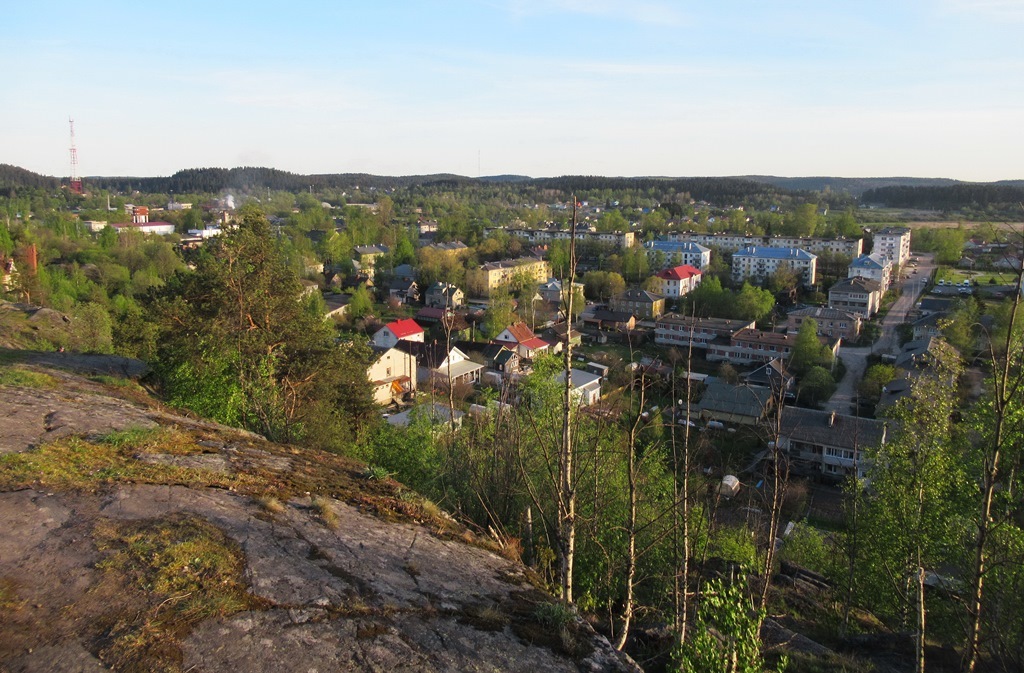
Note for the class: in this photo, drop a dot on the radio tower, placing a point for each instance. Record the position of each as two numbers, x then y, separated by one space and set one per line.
76 182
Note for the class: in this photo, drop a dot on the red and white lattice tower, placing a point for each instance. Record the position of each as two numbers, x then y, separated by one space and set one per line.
76 182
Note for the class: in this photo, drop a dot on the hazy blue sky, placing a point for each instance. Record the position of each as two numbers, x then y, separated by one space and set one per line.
535 87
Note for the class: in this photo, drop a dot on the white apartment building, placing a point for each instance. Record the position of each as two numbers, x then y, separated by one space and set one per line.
677 281
873 267
849 247
893 243
758 263
664 254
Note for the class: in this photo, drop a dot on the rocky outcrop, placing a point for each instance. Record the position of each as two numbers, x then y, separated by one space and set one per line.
330 585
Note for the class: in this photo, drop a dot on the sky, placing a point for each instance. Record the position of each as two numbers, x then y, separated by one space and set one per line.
529 87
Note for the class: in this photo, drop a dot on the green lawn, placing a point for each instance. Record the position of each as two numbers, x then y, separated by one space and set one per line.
980 277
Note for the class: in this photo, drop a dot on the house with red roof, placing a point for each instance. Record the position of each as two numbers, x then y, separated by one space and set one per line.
406 329
521 339
677 281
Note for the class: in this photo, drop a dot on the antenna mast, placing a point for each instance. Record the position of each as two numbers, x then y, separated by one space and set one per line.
76 182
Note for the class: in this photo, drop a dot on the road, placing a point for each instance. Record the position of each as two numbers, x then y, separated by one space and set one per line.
855 359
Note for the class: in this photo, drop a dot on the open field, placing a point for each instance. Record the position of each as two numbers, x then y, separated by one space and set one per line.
979 277
954 224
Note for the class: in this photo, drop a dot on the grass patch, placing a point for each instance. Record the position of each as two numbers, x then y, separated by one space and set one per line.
114 381
26 378
9 595
485 618
189 570
76 463
322 507
377 473
270 504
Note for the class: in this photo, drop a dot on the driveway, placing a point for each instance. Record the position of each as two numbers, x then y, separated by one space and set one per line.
855 359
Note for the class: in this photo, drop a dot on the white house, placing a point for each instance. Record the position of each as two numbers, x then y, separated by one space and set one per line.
521 339
447 367
392 375
586 387
400 330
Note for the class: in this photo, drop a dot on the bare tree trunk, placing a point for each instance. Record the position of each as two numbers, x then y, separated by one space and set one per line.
566 467
920 616
780 480
1007 385
631 556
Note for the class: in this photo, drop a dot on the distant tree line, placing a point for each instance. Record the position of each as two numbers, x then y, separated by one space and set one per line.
949 198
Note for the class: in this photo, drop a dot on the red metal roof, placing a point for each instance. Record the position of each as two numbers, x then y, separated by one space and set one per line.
679 273
405 327
520 332
536 343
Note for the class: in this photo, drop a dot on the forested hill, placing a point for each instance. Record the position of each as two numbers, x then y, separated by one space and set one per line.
249 178
851 186
14 177
200 180
952 197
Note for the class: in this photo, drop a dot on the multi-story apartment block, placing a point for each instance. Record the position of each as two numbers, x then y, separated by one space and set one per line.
757 263
677 281
641 303
873 267
849 247
751 346
857 295
489 277
664 254
620 239
893 243
673 329
832 322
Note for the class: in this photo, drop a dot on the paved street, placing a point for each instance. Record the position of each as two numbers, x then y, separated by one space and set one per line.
855 359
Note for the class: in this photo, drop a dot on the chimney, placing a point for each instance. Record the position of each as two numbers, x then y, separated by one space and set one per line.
832 419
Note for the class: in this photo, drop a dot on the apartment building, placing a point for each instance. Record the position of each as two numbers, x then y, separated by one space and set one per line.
893 243
663 254
492 275
758 263
857 295
849 247
873 267
677 281
620 239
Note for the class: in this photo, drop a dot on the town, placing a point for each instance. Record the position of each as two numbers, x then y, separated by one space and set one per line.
757 371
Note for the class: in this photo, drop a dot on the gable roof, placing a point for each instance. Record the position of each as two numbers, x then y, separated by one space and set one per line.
873 261
823 427
534 343
520 332
404 328
638 295
678 273
750 401
824 313
856 284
